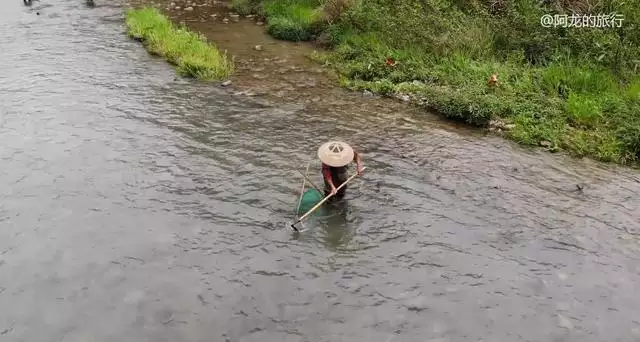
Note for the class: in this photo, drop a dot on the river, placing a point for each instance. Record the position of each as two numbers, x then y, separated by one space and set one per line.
137 206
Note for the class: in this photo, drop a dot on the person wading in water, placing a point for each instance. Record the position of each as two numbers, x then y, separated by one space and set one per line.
335 157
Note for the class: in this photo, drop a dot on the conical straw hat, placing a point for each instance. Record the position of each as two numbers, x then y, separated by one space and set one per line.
335 153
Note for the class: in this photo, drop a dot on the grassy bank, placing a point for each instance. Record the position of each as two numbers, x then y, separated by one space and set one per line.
192 55
573 89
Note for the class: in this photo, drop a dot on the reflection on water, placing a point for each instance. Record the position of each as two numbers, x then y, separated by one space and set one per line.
337 228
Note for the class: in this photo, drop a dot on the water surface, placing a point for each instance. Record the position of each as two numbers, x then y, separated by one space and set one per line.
137 206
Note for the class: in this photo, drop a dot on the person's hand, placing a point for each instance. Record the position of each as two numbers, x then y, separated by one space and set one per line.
334 190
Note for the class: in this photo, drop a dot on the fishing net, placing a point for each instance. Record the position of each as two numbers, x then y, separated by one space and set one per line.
310 198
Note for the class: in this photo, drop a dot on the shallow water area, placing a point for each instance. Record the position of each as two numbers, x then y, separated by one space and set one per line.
140 206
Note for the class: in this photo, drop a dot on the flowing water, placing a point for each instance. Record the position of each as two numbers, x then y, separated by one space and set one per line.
137 206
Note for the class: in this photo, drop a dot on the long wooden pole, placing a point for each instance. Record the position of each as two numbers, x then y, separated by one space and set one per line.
303 184
324 200
309 180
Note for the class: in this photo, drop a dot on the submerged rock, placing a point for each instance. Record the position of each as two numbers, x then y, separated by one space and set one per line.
226 83
545 143
403 97
501 125
189 9
258 47
244 93
225 20
259 23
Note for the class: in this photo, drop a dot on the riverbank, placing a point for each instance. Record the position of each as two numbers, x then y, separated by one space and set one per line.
574 89
190 52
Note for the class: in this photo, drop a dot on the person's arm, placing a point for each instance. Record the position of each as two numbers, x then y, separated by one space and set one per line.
326 173
356 158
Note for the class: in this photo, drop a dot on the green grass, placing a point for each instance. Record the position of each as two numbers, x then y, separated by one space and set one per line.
292 20
192 55
575 88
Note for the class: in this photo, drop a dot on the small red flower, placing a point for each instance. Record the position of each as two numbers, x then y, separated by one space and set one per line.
390 62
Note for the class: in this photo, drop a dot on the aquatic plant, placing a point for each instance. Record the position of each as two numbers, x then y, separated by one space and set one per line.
293 20
189 51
